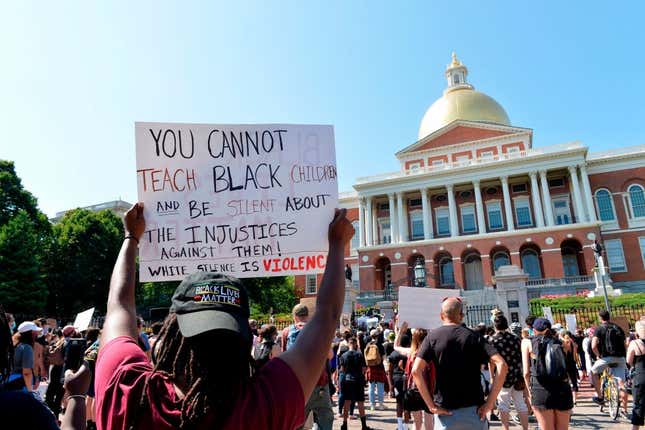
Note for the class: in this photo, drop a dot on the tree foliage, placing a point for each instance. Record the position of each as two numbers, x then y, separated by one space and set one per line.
275 293
82 253
21 285
14 198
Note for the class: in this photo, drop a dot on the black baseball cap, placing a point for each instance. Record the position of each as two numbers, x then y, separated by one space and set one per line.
541 324
206 301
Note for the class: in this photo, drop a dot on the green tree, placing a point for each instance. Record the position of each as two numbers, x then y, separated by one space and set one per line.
81 256
14 198
277 293
22 289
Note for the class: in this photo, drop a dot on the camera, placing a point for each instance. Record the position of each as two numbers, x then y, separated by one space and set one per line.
75 351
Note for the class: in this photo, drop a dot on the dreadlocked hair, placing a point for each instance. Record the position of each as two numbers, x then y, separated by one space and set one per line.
211 369
6 347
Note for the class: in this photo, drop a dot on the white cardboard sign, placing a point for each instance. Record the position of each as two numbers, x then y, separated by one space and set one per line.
243 200
83 319
421 307
571 321
547 313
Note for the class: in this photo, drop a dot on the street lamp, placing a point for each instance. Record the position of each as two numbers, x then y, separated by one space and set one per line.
597 248
420 274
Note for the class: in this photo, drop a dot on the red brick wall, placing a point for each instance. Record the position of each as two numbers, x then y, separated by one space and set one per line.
617 182
461 134
456 155
506 146
487 149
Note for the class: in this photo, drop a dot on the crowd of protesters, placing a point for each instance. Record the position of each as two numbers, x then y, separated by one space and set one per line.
207 365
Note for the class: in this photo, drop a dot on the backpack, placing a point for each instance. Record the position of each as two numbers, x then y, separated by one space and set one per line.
372 355
550 361
614 338
262 353
292 335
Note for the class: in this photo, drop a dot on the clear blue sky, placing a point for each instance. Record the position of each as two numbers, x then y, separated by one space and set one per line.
75 76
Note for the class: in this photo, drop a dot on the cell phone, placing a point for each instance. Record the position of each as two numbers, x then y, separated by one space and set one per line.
74 355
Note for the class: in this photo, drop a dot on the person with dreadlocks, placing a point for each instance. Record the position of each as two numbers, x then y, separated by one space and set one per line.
192 385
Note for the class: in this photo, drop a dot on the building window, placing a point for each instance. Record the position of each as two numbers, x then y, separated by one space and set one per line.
446 273
523 213
468 223
414 202
486 155
414 166
641 241
310 284
531 264
416 221
501 258
615 255
356 279
442 216
455 79
386 235
556 183
495 220
462 160
518 188
513 150
605 205
561 210
383 206
637 201
437 163
356 242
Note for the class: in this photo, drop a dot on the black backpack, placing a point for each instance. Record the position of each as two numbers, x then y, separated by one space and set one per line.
614 340
550 362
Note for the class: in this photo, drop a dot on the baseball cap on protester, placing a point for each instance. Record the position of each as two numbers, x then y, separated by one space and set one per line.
541 324
206 301
68 330
28 326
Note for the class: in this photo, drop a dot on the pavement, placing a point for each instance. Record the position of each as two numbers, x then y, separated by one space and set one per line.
586 415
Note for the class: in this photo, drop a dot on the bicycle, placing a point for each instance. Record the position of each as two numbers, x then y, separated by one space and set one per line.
610 391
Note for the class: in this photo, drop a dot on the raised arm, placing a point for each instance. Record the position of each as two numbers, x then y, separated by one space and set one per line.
307 357
121 319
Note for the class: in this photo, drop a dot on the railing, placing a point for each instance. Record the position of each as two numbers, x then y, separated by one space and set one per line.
471 162
560 282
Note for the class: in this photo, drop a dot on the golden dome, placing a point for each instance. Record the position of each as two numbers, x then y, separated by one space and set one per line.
461 101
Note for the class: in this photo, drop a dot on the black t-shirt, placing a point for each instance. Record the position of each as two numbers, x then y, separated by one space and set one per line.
397 364
353 363
600 333
457 353
389 348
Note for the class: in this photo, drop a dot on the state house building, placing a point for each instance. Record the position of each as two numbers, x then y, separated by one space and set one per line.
473 194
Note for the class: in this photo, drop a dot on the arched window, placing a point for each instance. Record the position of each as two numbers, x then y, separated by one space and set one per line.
356 242
605 205
447 275
637 200
531 263
501 258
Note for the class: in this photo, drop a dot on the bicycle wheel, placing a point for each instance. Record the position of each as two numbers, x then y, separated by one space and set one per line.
614 399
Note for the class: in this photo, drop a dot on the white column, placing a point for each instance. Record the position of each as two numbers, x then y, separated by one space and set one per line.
535 195
399 215
546 199
394 231
361 222
427 223
368 226
375 236
508 209
586 189
405 234
452 209
577 195
479 207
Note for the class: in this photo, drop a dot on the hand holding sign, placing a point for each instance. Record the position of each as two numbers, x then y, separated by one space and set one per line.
134 222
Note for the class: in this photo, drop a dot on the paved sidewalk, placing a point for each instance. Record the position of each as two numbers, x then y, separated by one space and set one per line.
586 416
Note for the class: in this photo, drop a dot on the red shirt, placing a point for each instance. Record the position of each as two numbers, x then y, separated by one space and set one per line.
272 400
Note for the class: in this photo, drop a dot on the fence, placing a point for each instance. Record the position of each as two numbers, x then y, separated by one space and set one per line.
477 314
588 316
280 325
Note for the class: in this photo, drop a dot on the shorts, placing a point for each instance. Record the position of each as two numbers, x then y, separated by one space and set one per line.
618 372
504 400
399 388
353 390
461 419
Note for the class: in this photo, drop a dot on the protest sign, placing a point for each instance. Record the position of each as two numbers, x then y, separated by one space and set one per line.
547 313
621 322
243 200
421 307
345 322
83 319
571 321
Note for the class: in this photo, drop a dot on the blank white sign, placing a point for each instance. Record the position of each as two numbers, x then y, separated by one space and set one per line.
421 307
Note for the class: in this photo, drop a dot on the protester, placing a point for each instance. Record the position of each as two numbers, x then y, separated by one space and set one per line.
353 364
155 328
194 384
420 412
23 377
570 349
375 375
54 394
457 353
266 348
343 347
396 377
551 396
609 345
636 359
508 346
590 357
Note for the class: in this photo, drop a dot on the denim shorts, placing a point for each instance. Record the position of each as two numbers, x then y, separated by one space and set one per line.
461 419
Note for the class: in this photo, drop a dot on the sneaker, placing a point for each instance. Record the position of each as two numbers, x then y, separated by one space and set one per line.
381 407
598 400
516 419
372 408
